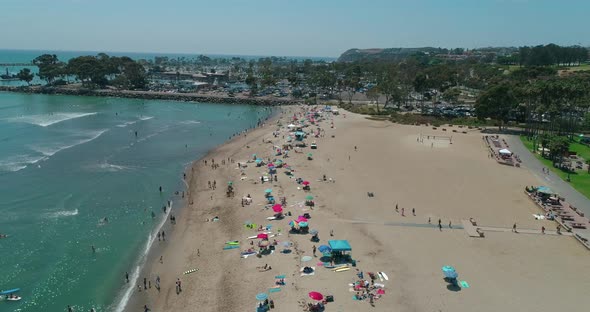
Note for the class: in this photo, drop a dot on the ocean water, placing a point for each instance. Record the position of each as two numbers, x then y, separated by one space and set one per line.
67 162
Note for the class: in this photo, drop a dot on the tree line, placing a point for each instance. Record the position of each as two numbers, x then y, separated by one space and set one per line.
92 71
547 55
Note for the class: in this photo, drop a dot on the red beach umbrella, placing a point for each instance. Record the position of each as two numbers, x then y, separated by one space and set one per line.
277 208
262 236
316 296
380 292
305 183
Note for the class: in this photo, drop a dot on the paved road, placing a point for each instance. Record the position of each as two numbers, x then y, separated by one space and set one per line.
551 180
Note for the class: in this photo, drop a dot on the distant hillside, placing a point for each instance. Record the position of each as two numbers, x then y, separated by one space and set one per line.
391 54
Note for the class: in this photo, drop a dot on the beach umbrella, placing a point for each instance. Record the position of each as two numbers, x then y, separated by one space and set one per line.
380 291
277 208
230 183
261 296
258 161
308 197
316 296
448 268
302 219
303 224
263 243
293 223
271 165
262 236
324 248
313 232
450 274
268 191
305 183
306 258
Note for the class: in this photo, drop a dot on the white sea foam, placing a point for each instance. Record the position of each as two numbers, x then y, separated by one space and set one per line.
64 213
109 167
46 120
128 123
19 162
190 122
126 295
51 149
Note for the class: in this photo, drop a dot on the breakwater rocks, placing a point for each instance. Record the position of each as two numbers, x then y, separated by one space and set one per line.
147 95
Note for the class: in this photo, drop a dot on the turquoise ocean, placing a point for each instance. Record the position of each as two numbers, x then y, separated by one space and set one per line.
68 162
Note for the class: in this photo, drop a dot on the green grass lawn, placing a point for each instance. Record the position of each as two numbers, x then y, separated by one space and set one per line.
579 180
582 67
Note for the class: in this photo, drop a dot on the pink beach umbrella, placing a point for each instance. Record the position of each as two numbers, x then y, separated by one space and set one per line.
380 292
305 183
316 296
271 165
262 236
302 219
277 208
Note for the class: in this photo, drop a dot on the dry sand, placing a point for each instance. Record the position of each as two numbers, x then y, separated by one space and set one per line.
506 271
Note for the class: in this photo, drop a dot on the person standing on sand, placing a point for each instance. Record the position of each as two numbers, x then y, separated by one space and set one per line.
542 230
159 235
403 209
163 236
144 283
429 221
440 227
450 226
514 228
313 249
414 211
396 209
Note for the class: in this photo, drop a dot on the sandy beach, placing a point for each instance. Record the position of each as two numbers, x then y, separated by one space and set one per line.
439 180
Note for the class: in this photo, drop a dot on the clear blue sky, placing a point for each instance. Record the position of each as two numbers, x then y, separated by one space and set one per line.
287 27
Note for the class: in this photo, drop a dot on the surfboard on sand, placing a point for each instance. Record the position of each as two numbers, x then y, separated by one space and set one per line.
235 242
380 276
190 271
384 275
339 267
342 269
271 218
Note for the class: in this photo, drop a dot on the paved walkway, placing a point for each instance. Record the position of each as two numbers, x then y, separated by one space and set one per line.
522 231
530 162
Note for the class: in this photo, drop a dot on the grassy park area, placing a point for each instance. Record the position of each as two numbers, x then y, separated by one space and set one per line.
580 180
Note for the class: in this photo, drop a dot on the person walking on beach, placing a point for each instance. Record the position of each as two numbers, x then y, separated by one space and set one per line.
396 209
514 228
214 184
403 212
313 249
440 226
144 283
209 183
429 221
145 308
542 230
159 235
163 236
127 277
414 211
450 226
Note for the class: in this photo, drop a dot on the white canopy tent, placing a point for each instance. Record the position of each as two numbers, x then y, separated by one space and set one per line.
505 152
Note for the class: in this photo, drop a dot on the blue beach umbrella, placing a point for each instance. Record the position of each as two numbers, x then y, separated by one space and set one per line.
258 161
268 191
261 296
450 274
303 224
448 268
324 248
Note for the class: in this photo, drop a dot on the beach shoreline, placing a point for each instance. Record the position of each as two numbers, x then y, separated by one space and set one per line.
146 263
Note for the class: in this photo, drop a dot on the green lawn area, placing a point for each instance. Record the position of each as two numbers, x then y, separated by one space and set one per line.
579 180
512 68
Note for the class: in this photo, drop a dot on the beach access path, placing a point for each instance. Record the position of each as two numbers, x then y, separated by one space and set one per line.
550 179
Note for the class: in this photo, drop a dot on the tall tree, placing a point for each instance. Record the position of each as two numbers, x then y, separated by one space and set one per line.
25 75
497 102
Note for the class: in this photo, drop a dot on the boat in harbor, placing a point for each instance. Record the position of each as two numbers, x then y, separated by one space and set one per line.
8 76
